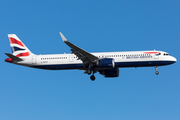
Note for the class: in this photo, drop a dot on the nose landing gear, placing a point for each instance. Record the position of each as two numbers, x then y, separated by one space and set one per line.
157 73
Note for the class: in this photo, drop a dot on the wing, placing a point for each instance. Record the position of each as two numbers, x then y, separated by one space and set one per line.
86 57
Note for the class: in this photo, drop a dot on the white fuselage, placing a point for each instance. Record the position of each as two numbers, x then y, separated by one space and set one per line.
121 59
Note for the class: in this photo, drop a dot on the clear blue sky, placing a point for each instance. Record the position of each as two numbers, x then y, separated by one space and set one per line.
96 26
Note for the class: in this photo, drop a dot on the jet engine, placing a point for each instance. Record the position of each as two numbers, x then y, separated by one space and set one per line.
106 63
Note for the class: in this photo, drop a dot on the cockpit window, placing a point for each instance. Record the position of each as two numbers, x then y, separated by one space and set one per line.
166 54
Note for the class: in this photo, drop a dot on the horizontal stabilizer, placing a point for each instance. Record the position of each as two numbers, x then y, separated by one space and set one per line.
13 57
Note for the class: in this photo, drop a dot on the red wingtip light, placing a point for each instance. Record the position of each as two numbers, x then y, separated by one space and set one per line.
9 60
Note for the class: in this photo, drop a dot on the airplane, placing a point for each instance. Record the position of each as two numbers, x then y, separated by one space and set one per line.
106 63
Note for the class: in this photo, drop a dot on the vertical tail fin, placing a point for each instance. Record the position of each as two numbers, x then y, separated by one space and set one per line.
17 46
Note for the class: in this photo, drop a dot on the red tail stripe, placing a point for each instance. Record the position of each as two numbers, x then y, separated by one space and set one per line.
23 54
12 40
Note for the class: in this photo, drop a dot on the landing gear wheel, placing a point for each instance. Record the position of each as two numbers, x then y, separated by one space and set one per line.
157 73
92 77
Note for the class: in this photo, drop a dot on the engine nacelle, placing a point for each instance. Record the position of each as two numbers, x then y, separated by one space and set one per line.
106 63
110 72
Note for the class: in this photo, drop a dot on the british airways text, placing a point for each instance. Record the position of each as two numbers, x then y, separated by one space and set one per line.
137 57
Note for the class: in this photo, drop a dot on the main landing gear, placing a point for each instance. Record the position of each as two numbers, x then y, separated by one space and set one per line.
92 77
89 72
157 73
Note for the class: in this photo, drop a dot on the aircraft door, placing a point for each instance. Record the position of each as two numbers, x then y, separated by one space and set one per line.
156 56
34 59
71 58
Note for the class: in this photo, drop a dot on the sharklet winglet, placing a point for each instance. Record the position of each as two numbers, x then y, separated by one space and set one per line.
63 38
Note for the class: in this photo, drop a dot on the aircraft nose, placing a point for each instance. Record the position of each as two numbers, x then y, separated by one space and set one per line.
174 59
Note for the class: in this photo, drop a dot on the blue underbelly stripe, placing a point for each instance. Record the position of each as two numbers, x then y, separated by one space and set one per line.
117 64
